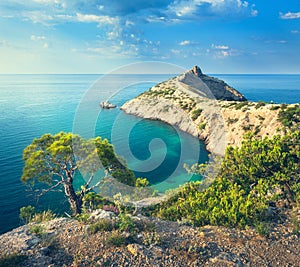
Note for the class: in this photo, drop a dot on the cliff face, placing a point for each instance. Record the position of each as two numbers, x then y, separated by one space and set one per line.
195 103
207 86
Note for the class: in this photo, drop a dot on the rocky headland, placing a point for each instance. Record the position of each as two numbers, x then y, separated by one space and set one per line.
206 108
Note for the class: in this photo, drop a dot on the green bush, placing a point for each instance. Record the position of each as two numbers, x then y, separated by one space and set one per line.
263 228
196 113
126 223
289 116
202 126
116 239
27 213
102 225
37 229
241 193
260 104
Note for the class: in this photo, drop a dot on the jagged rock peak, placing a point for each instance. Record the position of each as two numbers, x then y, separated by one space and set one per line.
197 71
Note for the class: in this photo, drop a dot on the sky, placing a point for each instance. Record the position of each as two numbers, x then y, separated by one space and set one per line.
97 36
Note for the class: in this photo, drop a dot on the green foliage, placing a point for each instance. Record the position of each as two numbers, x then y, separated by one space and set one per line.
55 160
152 238
27 213
91 201
101 225
196 113
260 104
260 172
117 239
240 105
13 260
43 216
126 223
289 116
37 229
275 107
141 182
83 217
202 126
263 228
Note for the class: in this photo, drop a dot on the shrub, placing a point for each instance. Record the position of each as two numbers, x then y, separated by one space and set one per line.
196 113
37 229
231 121
102 225
260 104
263 228
240 194
26 213
202 126
43 216
274 107
240 105
289 116
126 223
116 239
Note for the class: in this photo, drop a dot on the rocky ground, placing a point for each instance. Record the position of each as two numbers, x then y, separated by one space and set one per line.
68 242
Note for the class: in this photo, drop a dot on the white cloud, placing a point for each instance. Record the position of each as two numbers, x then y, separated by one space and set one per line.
295 32
290 15
193 9
186 42
37 38
220 47
175 51
95 18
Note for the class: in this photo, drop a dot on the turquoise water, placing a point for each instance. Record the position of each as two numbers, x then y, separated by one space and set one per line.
31 105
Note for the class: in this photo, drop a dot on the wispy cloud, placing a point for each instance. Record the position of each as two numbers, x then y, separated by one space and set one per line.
220 47
90 18
185 42
37 38
290 15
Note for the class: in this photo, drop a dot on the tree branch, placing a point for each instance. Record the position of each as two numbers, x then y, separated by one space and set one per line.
50 189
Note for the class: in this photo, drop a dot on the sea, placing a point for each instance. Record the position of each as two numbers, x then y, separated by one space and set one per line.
31 105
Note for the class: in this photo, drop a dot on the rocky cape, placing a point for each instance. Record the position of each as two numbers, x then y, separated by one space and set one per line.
68 242
206 108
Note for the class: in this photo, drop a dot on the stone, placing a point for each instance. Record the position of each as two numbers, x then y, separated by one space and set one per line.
102 214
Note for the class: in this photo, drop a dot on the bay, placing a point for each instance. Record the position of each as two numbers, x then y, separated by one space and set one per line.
31 105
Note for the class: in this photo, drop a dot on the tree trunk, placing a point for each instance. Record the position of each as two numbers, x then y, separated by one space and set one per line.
74 199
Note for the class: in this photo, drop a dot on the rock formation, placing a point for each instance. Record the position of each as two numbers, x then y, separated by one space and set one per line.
107 105
211 87
206 108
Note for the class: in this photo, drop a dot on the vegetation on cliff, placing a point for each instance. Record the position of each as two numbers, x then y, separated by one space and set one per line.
254 181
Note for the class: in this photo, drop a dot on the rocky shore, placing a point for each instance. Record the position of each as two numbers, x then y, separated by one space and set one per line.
206 108
68 242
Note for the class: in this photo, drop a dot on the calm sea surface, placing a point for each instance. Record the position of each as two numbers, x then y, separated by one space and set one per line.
31 105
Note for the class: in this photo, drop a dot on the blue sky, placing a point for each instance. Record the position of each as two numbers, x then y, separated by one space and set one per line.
96 36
